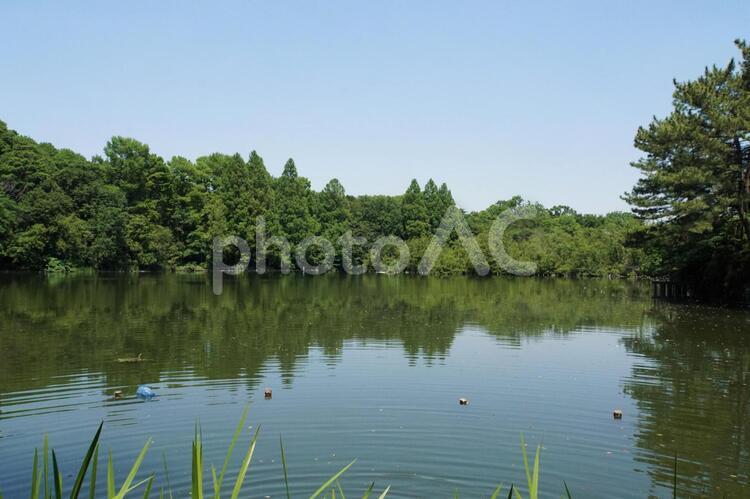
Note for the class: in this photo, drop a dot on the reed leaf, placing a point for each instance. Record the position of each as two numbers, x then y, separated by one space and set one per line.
531 477
131 489
56 476
94 468
166 476
367 493
110 477
331 480
147 492
385 493
45 467
283 465
85 464
197 464
567 490
341 491
245 465
133 472
215 480
35 477
235 437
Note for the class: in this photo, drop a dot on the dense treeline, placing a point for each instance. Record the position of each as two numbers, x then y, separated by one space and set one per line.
695 189
131 209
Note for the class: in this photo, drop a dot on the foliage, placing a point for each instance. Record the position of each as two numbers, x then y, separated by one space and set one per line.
695 189
131 209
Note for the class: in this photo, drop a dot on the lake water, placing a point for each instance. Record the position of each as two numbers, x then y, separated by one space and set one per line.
372 368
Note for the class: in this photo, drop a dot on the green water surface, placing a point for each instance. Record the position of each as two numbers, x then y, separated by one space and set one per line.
372 367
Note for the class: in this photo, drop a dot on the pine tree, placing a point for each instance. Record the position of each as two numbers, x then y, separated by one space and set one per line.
695 187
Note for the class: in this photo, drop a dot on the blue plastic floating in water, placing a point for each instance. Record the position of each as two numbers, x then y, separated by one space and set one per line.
145 392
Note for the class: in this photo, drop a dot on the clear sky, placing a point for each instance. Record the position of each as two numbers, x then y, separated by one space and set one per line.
498 98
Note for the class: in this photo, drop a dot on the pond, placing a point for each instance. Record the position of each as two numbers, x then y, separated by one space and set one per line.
372 368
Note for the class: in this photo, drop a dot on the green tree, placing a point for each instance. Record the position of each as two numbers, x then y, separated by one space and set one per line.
333 211
695 187
131 209
294 200
416 219
433 203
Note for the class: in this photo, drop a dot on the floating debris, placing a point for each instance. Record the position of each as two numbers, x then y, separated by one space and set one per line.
145 392
118 394
130 360
617 414
267 393
463 401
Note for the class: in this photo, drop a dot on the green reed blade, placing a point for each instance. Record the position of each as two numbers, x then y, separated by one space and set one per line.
131 489
35 476
367 493
235 437
341 491
56 476
133 471
85 464
496 493
525 462
534 486
45 468
94 468
166 476
147 492
245 465
110 477
331 480
385 493
567 490
197 464
217 487
283 465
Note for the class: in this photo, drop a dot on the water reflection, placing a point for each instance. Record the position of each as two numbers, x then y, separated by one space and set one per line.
545 356
53 327
694 397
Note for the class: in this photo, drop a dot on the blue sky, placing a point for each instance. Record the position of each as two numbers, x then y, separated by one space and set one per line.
540 99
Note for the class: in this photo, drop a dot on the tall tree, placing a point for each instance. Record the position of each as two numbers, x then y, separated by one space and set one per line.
262 202
414 212
695 186
293 203
433 203
333 212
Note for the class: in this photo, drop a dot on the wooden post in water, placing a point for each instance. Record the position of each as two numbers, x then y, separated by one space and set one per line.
668 290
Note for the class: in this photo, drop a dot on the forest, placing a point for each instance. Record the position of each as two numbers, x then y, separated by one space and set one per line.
132 210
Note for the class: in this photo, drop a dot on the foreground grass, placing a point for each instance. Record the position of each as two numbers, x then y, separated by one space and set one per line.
48 485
